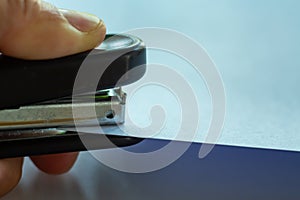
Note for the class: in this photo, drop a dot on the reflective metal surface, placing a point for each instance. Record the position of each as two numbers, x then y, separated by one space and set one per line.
109 106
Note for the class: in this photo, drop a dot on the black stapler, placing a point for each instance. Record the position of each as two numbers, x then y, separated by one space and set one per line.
36 99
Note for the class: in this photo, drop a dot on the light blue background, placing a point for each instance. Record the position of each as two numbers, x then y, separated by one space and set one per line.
255 45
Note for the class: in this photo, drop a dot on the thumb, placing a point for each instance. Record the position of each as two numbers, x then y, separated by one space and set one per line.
33 29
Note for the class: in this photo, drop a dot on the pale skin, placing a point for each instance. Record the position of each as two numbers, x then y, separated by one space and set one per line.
33 29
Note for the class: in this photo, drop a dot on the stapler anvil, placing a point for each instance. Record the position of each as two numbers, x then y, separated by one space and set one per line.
36 99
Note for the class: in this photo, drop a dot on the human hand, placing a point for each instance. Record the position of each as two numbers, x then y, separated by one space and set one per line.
33 29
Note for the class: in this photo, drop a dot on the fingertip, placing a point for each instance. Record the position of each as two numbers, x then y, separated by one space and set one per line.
49 33
93 38
55 164
10 174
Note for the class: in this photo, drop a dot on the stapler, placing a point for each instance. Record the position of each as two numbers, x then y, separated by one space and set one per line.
36 99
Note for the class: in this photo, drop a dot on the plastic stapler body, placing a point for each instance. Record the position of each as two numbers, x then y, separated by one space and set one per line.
36 99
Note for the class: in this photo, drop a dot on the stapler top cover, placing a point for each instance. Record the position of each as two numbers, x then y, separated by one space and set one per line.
24 82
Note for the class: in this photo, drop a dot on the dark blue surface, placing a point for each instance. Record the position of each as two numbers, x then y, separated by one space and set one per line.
227 173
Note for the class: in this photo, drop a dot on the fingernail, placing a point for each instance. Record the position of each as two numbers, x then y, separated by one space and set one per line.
84 22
